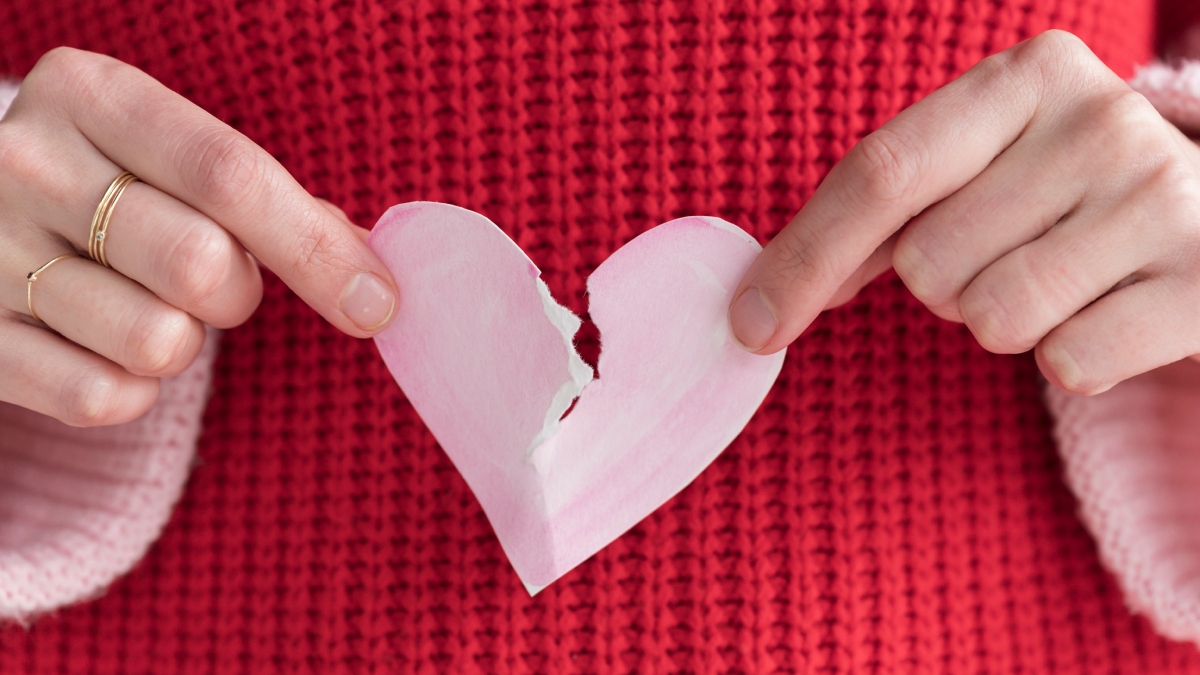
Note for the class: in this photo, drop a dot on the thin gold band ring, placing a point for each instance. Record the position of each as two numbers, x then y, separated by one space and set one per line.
103 214
33 276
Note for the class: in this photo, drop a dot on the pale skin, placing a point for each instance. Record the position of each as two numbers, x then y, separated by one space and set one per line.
1059 212
178 242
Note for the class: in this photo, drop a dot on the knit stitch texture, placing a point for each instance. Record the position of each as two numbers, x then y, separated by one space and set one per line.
896 506
80 506
1132 456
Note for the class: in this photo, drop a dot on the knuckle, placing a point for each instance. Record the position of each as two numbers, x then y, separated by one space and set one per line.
201 265
1052 47
1173 189
885 168
1055 57
996 65
1176 180
995 326
22 162
230 172
314 247
1006 77
1059 40
1129 109
1127 125
161 342
795 259
65 71
90 398
60 63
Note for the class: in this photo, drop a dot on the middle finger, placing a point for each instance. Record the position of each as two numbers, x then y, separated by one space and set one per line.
176 252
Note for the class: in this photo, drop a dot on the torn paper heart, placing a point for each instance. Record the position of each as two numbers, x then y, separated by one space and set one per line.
485 356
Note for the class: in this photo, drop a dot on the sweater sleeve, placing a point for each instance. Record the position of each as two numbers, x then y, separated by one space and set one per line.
79 507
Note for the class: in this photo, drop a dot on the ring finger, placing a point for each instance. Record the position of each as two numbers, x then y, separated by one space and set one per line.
102 310
47 374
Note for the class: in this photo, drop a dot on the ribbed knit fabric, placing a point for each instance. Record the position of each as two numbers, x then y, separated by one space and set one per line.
896 506
80 506
1132 456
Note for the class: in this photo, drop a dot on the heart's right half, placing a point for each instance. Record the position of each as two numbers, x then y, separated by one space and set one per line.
486 357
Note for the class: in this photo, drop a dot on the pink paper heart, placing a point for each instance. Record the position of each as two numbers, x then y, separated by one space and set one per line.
486 357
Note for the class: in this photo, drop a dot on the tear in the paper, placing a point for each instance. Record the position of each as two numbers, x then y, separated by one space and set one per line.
581 373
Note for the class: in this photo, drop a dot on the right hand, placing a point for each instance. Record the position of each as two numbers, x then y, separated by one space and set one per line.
179 241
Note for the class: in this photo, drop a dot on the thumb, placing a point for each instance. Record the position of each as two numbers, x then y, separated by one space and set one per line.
923 155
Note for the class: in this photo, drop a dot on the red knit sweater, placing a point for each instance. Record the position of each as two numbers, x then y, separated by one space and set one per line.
895 506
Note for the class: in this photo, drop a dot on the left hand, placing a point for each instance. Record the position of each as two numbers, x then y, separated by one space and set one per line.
1058 212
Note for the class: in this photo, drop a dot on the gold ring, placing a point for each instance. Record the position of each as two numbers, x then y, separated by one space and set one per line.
32 277
103 214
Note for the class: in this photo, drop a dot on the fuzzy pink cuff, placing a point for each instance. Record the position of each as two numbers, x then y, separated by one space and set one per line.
1132 456
1175 92
79 507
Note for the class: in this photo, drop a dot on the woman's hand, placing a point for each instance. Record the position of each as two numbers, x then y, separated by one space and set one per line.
1057 212
177 242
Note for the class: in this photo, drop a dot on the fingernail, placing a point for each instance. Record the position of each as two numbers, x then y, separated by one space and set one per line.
1070 375
367 301
752 320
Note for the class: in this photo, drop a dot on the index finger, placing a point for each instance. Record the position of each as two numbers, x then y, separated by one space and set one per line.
182 150
921 156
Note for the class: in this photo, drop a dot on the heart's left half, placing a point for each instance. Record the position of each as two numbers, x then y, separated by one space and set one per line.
486 357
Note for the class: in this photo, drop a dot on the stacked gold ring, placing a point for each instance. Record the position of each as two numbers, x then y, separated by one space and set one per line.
104 211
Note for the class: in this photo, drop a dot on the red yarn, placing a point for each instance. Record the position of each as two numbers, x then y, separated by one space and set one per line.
896 506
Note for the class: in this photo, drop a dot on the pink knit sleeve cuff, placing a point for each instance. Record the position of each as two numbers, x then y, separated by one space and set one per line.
1132 457
1132 454
79 507
1174 91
